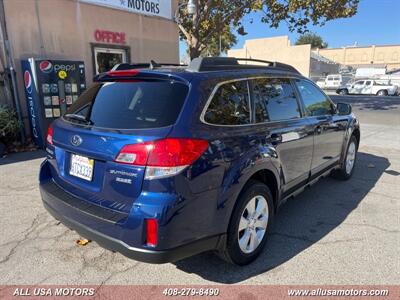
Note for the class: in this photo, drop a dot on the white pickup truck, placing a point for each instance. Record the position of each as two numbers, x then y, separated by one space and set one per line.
368 87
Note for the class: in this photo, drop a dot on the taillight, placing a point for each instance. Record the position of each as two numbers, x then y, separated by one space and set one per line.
49 138
151 232
163 158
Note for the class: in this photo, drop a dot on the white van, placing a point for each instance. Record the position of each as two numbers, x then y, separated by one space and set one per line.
334 81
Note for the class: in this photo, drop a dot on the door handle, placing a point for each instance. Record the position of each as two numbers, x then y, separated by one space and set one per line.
275 138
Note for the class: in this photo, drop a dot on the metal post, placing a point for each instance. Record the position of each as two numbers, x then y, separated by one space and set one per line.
220 45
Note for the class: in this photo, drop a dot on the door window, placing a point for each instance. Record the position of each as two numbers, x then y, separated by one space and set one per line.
274 100
368 82
230 105
316 103
359 83
107 58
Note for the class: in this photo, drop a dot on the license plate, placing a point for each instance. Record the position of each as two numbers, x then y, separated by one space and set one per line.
81 167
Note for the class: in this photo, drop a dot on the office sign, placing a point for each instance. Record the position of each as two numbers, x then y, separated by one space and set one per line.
158 8
111 37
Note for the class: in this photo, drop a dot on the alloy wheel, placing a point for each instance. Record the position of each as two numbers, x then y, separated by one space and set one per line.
253 224
351 156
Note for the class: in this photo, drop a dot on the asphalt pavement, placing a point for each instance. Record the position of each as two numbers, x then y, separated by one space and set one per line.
333 233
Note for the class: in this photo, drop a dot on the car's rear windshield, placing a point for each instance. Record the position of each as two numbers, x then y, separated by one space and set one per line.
131 105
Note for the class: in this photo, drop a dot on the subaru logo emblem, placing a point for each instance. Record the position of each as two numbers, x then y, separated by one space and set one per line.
76 140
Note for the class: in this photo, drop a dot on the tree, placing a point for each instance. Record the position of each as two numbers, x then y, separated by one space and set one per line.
311 38
215 18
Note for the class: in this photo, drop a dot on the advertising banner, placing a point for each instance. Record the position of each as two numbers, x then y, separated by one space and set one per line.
32 99
158 8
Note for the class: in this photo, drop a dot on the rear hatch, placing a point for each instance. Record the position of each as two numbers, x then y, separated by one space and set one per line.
107 117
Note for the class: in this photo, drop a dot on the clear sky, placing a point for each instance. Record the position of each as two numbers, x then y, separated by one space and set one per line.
377 22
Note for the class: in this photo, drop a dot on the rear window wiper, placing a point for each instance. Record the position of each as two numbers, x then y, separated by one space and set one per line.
78 118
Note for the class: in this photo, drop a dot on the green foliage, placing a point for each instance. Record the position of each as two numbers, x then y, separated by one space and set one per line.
298 14
9 125
215 18
311 38
220 43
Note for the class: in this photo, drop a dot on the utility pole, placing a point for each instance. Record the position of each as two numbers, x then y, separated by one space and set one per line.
10 70
220 45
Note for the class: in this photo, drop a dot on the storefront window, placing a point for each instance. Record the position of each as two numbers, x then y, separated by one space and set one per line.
107 58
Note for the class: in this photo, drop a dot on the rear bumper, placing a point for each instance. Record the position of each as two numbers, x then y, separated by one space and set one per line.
52 201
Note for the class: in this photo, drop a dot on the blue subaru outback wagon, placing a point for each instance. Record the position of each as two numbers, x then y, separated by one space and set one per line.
160 162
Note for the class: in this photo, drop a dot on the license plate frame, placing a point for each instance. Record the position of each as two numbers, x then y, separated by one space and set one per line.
81 167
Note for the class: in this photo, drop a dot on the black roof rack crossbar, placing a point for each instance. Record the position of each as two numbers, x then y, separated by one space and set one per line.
232 63
152 65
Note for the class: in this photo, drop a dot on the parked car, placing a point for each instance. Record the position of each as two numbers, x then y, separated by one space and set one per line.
164 162
368 87
334 81
319 81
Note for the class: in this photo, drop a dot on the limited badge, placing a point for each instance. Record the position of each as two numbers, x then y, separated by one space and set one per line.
62 74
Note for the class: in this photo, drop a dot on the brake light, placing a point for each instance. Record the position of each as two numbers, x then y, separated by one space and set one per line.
151 232
49 138
123 73
163 158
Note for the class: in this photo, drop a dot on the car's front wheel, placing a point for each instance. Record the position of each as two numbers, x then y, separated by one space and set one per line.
250 222
343 92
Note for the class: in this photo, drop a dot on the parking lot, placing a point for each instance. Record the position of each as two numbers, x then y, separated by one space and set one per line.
334 233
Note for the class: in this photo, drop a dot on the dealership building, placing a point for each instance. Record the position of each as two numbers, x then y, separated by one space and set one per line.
307 62
374 56
98 33
320 62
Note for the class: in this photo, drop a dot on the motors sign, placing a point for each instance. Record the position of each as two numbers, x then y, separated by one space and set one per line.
158 8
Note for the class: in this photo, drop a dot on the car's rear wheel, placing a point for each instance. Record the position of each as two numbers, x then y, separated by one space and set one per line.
250 222
347 168
382 93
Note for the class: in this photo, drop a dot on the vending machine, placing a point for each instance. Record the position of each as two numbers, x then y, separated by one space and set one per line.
51 86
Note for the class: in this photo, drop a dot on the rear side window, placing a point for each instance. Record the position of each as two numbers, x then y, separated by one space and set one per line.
274 100
316 103
132 105
229 105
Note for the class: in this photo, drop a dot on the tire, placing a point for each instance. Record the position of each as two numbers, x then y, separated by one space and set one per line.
252 237
347 168
343 92
382 93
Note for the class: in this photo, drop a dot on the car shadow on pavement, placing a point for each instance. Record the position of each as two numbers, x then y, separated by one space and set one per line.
22 156
300 223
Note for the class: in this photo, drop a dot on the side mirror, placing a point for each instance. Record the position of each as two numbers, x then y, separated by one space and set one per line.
343 108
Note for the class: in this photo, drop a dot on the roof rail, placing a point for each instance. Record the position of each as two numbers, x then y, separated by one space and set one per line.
232 63
152 65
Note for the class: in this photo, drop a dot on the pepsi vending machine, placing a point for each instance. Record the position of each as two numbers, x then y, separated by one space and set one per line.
51 86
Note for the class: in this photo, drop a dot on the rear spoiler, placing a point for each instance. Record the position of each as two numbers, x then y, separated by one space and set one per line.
133 75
